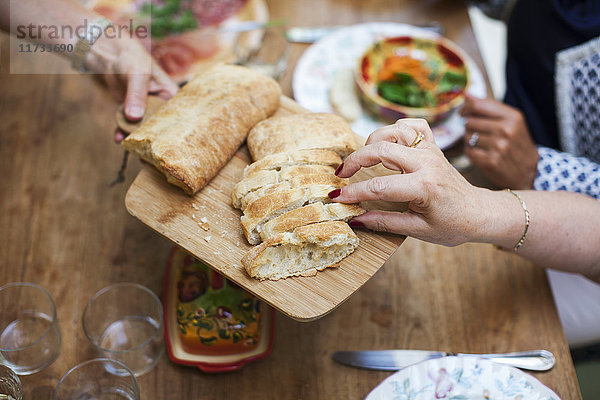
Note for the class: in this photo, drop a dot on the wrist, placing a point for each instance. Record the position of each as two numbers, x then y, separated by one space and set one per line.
102 54
93 32
501 219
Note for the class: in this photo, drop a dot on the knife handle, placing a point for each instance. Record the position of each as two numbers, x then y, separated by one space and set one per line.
534 360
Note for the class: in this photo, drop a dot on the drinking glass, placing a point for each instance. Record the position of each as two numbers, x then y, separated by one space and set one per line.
98 379
124 322
10 385
29 332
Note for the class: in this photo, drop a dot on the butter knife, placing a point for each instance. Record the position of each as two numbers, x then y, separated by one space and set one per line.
394 360
310 34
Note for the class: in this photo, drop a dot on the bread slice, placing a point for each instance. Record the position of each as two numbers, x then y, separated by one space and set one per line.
303 252
260 179
263 191
274 204
299 157
310 214
301 131
192 136
296 171
297 176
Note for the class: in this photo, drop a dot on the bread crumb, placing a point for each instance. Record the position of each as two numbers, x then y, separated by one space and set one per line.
195 207
203 219
207 238
205 226
193 216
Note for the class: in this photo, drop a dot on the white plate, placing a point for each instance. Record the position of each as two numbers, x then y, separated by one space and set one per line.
461 378
341 49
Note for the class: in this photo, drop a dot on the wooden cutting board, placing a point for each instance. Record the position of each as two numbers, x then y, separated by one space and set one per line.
207 226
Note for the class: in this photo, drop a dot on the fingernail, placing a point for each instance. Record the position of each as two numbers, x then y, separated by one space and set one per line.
334 193
119 136
339 169
356 224
136 112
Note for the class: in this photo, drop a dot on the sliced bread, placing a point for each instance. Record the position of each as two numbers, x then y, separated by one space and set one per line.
274 204
298 157
309 214
298 176
304 251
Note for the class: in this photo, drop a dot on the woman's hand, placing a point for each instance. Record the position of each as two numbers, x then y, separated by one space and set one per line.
443 207
130 74
504 150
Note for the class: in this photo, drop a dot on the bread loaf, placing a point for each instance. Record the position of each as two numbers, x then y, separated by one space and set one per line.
192 136
310 214
304 251
301 131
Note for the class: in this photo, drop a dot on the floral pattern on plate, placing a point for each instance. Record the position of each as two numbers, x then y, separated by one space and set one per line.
461 378
342 49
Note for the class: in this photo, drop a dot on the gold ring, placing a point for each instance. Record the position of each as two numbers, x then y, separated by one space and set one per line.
417 140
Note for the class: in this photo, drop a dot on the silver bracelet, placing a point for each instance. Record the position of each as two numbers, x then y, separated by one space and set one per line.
522 240
94 30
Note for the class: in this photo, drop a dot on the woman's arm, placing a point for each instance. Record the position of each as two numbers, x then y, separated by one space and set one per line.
443 208
564 229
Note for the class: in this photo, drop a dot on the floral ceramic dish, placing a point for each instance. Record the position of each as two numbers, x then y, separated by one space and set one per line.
456 378
411 76
210 322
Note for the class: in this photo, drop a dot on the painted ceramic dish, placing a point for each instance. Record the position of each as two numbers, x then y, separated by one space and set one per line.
461 378
414 77
211 322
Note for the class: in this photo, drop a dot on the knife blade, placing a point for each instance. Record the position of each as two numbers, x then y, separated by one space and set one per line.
310 34
394 360
246 26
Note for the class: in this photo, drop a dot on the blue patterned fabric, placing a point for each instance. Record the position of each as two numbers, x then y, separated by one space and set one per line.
563 171
535 34
582 134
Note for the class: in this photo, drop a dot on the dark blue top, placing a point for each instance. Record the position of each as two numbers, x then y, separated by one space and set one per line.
537 30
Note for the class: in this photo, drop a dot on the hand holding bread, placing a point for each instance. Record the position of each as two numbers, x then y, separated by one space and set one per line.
438 196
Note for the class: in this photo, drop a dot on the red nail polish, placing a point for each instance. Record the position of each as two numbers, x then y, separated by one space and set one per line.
339 169
356 224
334 193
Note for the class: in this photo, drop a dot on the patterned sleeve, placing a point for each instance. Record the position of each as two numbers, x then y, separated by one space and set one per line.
562 171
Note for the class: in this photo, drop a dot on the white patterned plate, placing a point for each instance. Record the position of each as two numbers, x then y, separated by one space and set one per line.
341 49
461 378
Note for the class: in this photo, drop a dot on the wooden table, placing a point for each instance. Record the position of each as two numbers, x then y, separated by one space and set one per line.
64 228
